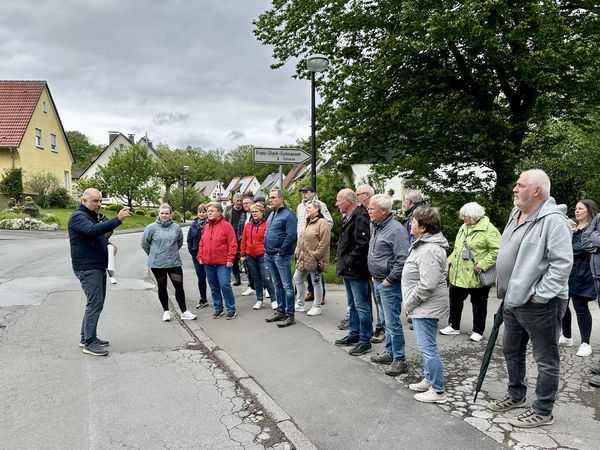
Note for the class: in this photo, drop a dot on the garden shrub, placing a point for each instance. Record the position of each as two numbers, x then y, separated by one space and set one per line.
152 213
140 212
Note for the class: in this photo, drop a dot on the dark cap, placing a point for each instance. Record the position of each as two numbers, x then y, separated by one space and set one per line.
307 189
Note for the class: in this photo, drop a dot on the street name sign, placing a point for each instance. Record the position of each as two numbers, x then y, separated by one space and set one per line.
279 155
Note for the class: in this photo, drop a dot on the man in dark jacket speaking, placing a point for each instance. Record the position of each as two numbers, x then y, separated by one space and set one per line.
89 258
351 265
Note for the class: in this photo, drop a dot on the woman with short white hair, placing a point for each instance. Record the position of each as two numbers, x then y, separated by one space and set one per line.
475 251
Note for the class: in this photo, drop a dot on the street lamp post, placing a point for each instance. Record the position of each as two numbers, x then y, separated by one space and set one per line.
315 63
184 169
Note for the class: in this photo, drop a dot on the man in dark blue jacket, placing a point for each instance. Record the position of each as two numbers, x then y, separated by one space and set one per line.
89 258
280 239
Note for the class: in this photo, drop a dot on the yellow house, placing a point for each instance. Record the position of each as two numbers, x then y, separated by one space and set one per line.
31 134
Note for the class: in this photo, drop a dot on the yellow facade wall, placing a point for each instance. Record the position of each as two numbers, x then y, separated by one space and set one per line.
35 159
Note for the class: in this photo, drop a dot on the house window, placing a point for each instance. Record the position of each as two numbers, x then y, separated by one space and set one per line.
67 180
38 138
44 107
121 146
53 143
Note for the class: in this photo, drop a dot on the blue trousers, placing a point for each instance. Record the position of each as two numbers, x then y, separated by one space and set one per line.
219 280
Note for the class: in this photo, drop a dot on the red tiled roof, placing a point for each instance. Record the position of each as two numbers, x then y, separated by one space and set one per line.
18 100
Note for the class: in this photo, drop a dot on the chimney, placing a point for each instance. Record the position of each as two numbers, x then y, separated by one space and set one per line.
132 138
112 135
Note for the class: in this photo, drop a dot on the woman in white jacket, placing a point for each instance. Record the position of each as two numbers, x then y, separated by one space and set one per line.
426 300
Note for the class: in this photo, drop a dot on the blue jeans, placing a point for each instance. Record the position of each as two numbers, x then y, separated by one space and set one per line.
426 331
201 274
257 269
219 279
280 268
93 283
539 322
390 299
360 323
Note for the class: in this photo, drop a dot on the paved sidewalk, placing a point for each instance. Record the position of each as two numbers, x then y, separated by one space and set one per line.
340 401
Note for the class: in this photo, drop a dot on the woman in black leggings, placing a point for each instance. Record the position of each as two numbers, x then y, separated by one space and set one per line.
161 242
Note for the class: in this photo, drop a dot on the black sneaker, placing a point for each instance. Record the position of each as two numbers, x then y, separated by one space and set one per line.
361 348
398 367
344 324
95 350
237 283
100 342
217 314
230 315
346 341
202 304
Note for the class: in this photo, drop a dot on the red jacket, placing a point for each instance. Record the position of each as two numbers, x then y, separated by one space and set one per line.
218 244
253 239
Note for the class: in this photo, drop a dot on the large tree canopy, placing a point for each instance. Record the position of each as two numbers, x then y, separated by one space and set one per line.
425 85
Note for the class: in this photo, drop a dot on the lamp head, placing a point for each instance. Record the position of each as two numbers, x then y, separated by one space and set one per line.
317 63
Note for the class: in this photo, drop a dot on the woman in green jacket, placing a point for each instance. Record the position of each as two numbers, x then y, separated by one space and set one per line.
466 262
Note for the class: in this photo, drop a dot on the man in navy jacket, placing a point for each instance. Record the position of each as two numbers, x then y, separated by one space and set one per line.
89 258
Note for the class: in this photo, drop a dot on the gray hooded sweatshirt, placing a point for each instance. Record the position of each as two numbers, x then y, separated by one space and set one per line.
543 260
161 242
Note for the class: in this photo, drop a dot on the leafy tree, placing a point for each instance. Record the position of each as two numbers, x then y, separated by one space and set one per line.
192 199
83 150
43 184
12 184
433 88
130 175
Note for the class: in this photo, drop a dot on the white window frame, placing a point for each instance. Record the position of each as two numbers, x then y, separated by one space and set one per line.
53 145
67 180
39 143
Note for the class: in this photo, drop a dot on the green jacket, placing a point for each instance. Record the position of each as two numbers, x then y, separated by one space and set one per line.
483 240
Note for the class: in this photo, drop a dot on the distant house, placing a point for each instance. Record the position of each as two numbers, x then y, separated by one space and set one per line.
241 185
32 136
298 172
271 182
394 185
212 189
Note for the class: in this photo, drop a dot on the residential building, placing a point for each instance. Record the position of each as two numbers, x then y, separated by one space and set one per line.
213 189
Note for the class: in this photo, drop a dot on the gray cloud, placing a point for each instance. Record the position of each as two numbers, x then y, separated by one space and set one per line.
169 118
235 135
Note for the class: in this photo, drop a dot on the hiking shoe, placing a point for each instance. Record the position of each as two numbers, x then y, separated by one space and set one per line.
398 367
585 350
476 337
421 386
314 311
274 304
594 380
276 317
258 305
309 297
449 331
361 348
565 341
249 291
299 308
98 341
167 316
430 396
188 315
230 315
530 419
344 324
289 320
382 358
595 370
378 336
95 350
217 314
347 341
202 304
506 403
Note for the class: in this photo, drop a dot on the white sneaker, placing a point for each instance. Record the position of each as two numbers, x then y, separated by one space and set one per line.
299 308
249 291
167 316
449 331
314 311
266 294
565 342
274 304
113 280
188 316
421 386
258 305
584 350
476 337
430 396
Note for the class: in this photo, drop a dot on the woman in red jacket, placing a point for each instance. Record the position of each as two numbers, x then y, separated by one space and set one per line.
217 249
252 250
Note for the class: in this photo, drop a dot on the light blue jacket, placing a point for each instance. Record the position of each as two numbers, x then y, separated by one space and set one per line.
161 242
388 248
544 258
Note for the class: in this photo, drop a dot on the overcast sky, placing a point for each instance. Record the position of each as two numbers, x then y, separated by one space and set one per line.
187 72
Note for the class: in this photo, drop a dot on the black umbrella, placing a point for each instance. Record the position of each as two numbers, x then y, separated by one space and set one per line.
487 355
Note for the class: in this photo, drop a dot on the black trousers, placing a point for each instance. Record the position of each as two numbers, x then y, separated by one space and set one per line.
479 300
176 276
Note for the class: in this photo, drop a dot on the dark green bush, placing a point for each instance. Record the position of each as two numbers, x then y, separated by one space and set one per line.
152 213
140 212
177 216
59 198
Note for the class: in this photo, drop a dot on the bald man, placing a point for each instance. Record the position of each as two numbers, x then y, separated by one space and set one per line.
89 257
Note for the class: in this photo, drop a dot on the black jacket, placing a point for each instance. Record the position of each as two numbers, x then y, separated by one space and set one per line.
88 240
353 246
